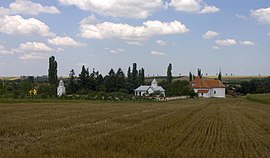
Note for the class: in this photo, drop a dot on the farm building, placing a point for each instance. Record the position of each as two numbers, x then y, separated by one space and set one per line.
208 88
147 90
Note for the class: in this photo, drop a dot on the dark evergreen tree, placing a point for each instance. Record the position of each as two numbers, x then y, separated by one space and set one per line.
135 76
120 79
110 81
220 76
83 78
169 73
190 76
200 73
72 87
141 76
52 72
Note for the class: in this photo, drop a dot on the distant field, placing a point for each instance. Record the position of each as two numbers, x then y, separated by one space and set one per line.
188 128
261 98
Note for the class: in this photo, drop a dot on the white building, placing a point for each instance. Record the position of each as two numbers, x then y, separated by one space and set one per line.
147 90
61 89
208 88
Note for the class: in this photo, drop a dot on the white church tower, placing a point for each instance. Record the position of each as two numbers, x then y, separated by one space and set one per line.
61 89
154 83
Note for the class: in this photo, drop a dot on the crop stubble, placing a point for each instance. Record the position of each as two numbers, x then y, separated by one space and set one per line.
186 128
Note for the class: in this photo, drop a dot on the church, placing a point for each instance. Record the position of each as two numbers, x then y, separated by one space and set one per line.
148 90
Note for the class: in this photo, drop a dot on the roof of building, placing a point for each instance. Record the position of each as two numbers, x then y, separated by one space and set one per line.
154 86
202 91
142 88
202 83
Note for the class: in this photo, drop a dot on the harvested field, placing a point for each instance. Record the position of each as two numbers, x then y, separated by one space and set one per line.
187 128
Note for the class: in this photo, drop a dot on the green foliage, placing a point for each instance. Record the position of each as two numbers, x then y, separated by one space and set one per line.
52 72
190 76
261 98
200 72
255 86
220 76
169 73
72 86
178 88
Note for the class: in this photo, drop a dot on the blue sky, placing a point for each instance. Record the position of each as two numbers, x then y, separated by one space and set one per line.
103 34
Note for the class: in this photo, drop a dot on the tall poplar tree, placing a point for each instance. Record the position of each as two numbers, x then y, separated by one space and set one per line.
169 73
52 72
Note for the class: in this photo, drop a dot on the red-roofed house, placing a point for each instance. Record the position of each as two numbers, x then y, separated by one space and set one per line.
208 88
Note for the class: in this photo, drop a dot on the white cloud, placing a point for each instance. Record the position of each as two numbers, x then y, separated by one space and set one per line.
161 43
107 30
268 34
34 47
210 9
196 6
216 48
4 51
65 41
60 49
116 51
32 56
16 25
262 15
157 53
210 35
27 7
136 43
241 17
247 43
226 42
118 8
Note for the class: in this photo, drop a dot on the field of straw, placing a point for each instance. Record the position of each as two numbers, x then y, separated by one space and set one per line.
232 127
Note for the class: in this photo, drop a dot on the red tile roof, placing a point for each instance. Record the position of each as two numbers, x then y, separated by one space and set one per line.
202 83
202 91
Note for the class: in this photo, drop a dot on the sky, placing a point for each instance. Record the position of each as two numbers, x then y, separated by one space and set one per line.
227 35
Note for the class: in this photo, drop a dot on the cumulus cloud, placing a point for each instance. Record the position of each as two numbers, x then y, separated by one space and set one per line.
210 9
210 34
241 17
262 15
226 42
247 43
65 41
196 6
16 25
32 56
136 43
115 51
34 47
4 51
216 48
157 53
28 7
161 42
107 30
118 8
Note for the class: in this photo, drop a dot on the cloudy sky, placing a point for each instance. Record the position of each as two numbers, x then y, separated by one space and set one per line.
103 34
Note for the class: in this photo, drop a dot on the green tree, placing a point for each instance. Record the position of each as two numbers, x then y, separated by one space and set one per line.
141 76
220 76
52 75
190 76
72 85
169 73
83 79
200 73
52 72
135 76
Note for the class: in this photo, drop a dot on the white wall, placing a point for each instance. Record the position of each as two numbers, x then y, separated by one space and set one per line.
218 92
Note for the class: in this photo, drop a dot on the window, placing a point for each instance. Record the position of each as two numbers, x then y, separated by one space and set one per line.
215 92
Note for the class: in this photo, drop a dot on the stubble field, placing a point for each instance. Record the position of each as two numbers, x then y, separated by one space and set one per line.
232 127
